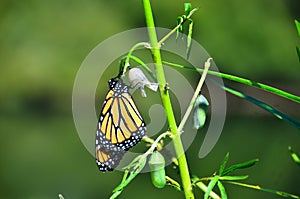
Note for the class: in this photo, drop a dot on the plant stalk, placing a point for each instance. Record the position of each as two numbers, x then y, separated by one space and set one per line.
155 48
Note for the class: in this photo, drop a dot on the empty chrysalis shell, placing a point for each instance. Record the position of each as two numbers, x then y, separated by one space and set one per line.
138 79
157 166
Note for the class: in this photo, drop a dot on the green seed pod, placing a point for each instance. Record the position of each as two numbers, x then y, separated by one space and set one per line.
157 166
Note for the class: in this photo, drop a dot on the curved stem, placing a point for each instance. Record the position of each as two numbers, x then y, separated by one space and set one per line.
140 62
169 34
155 48
196 93
156 143
141 44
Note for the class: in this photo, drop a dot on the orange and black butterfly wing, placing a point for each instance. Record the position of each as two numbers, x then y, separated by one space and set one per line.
107 157
131 125
120 126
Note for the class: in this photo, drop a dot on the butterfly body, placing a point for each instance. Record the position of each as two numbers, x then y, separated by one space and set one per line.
119 128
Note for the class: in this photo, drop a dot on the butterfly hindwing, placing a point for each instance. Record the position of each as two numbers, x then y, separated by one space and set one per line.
108 159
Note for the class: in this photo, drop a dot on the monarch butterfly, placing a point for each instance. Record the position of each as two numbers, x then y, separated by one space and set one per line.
120 126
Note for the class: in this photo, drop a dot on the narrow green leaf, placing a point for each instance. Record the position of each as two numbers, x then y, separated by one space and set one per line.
187 8
241 80
182 19
197 182
280 193
298 52
223 165
180 29
233 178
240 166
222 190
189 38
210 186
297 26
136 166
265 106
294 156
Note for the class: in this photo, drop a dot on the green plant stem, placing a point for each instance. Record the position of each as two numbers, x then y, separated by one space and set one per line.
169 34
141 44
203 187
155 48
140 62
265 87
173 182
196 93
155 143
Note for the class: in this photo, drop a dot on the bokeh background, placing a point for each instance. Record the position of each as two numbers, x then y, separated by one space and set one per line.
42 44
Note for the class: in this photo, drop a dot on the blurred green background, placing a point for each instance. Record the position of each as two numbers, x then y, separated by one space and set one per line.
42 44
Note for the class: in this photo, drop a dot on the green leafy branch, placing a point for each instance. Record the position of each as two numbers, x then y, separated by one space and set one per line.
261 86
135 167
242 80
180 23
217 180
180 26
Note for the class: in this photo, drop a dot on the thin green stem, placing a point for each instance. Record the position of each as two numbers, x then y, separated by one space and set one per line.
265 87
173 182
176 27
196 93
169 34
128 57
155 48
140 62
155 143
150 141
203 187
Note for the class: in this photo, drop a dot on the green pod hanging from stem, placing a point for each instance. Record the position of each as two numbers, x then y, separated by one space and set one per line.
157 166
